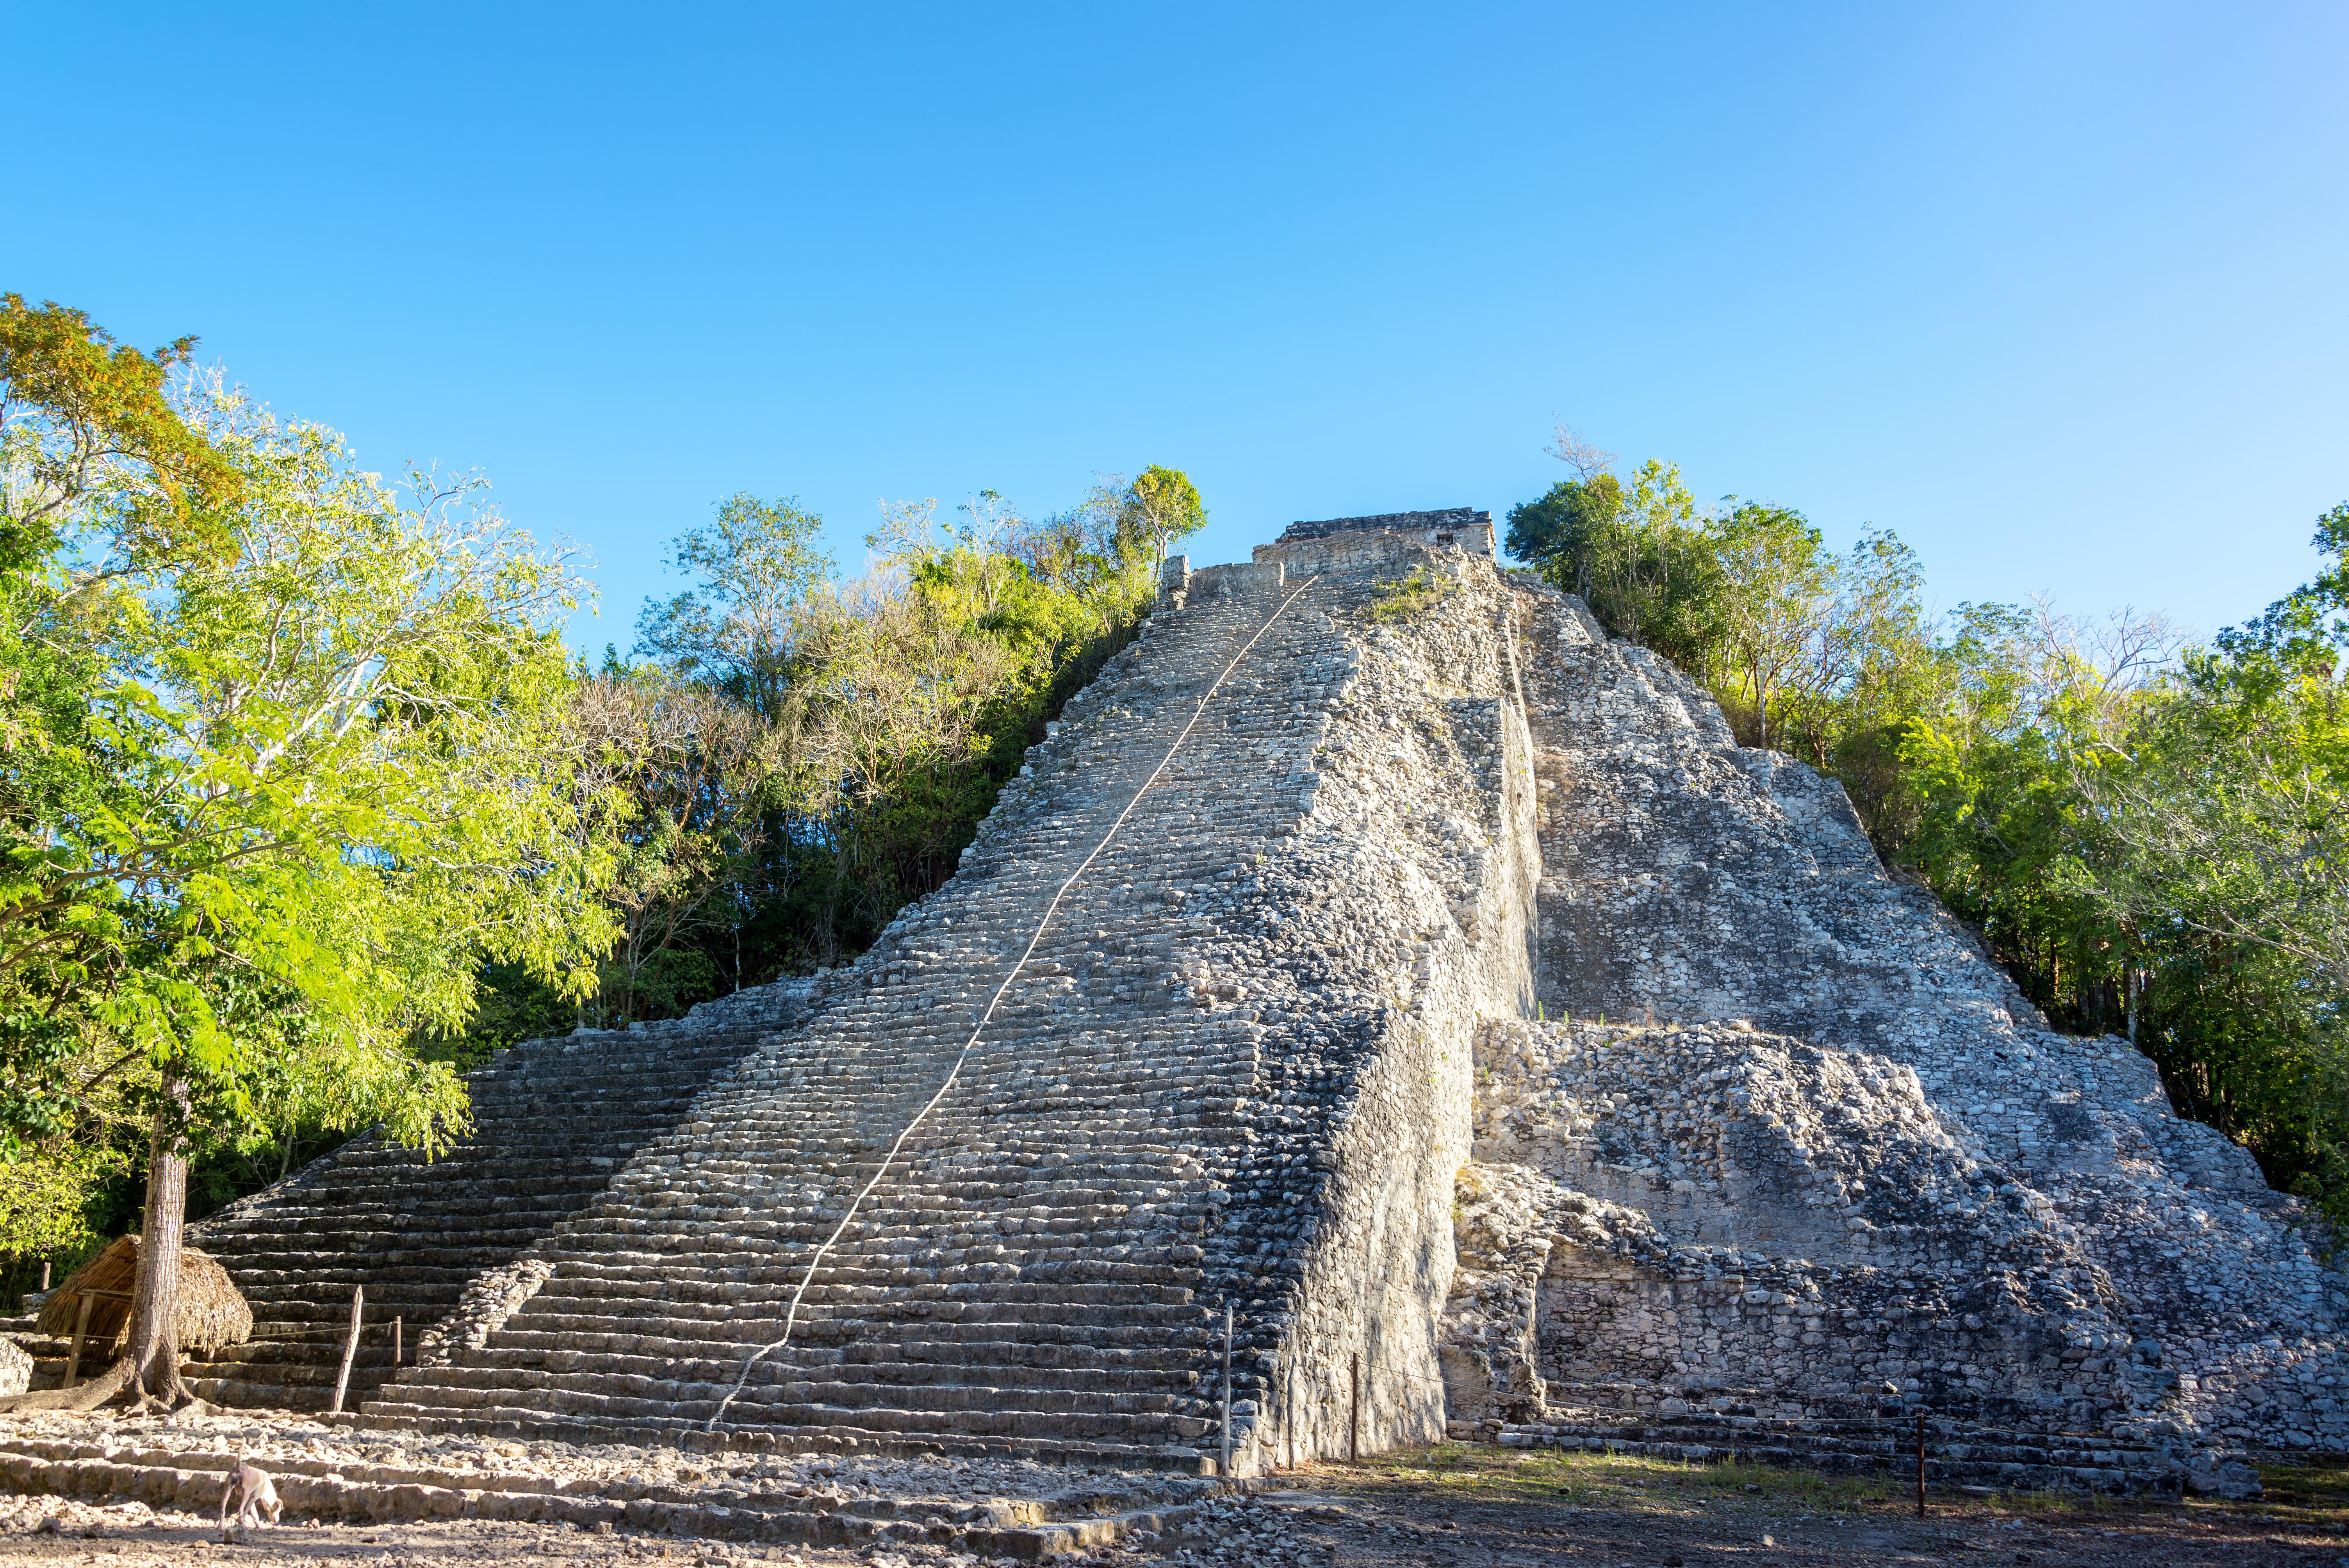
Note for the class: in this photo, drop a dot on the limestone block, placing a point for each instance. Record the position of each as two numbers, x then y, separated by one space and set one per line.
16 1368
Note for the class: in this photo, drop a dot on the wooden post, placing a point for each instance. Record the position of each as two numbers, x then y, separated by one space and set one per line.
1224 1465
1921 1464
395 1340
81 1323
1354 1408
45 1277
350 1348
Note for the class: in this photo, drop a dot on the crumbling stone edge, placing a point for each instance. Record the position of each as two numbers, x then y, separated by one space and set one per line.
1026 1528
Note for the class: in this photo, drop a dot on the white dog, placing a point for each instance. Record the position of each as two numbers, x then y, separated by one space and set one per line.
253 1494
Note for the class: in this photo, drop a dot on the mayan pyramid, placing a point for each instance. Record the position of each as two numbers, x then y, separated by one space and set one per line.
1378 951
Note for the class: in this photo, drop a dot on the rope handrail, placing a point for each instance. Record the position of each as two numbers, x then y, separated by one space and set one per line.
790 1317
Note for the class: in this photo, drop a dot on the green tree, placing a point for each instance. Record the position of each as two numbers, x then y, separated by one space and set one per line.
82 416
680 772
735 628
2227 796
1555 532
1637 554
1776 612
1161 506
316 776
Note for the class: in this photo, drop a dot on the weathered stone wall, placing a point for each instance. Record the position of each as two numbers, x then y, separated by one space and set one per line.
1436 696
1819 1151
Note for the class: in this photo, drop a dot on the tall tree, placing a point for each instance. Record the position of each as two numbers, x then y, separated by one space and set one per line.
736 628
317 775
681 771
1777 603
1162 505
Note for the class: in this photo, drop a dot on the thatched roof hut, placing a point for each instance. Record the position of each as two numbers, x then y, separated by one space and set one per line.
212 1313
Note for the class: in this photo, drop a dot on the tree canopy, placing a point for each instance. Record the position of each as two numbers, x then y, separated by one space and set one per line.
286 760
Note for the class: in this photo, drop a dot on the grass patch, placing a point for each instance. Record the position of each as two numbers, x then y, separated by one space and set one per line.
2313 1497
2314 1493
1574 1479
1410 598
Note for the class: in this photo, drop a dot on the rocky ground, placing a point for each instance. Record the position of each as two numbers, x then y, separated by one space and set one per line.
1476 1507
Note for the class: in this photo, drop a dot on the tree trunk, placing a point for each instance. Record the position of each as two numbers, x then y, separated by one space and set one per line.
153 1349
86 1396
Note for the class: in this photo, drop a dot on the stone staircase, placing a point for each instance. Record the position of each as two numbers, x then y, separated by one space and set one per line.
553 1120
1030 1278
1234 1072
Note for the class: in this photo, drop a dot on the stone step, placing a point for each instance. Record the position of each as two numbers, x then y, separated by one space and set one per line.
1092 1515
555 1120
721 1338
979 1388
1011 1418
533 1426
428 1251
1085 1375
1007 1344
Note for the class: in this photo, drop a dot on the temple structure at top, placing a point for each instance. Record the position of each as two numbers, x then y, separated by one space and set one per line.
1457 527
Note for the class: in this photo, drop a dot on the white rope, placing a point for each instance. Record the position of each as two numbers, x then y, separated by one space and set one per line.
790 1317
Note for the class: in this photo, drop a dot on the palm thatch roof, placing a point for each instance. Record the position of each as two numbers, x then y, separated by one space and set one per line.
212 1313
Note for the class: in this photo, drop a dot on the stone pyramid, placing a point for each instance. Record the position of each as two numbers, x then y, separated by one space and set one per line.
1378 951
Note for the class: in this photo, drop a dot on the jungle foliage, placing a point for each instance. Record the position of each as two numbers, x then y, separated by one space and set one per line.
283 758
304 808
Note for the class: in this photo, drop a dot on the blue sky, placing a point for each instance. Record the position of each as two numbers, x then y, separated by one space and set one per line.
2056 292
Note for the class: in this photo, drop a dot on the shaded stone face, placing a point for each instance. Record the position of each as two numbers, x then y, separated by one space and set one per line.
1427 979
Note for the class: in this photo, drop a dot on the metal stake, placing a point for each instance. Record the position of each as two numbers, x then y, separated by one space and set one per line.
1921 1464
1223 1467
350 1348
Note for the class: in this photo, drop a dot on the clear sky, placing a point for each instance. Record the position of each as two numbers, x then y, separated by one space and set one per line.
2058 292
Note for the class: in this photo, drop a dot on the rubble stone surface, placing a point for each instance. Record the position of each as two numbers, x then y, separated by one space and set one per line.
1000 1509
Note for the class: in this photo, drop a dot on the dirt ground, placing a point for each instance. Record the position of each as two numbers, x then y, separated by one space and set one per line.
1478 1508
